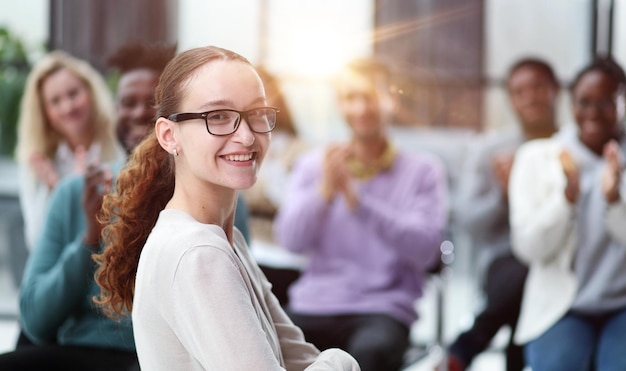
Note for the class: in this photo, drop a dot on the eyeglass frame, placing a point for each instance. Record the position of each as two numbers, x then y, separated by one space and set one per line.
185 116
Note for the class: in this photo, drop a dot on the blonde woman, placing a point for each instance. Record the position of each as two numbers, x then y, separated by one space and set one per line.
66 123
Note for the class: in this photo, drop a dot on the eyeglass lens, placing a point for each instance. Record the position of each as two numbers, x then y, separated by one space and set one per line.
222 122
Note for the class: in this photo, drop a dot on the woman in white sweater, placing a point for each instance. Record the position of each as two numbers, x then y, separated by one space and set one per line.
568 211
173 256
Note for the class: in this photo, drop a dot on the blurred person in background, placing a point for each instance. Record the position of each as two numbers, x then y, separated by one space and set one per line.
567 210
61 327
369 219
66 123
484 211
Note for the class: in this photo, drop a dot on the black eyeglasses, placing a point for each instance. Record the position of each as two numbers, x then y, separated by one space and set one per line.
226 121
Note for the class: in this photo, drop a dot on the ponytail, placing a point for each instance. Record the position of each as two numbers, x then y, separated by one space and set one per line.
142 190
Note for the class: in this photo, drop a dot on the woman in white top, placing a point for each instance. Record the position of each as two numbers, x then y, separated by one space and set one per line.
567 197
66 123
173 256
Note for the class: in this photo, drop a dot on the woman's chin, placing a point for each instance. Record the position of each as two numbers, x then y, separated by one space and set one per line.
244 184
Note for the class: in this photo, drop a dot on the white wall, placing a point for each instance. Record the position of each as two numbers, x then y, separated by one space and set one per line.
619 36
556 30
231 24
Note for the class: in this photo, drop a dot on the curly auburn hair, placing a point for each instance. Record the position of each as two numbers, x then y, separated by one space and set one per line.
143 188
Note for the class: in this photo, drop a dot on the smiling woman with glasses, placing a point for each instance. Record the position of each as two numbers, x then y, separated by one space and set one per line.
173 257
226 121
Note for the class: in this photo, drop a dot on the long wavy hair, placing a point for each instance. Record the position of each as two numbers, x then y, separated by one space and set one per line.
35 132
143 188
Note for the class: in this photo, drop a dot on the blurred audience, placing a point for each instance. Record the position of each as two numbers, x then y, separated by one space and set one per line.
66 123
533 90
265 196
63 329
370 219
567 222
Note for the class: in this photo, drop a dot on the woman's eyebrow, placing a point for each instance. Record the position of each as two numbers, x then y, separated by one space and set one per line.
219 102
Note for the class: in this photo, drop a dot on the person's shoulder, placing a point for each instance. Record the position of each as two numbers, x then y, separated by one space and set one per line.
567 134
420 160
66 197
189 232
73 184
412 166
178 243
538 148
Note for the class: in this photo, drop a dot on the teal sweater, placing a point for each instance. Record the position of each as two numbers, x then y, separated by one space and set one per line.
56 297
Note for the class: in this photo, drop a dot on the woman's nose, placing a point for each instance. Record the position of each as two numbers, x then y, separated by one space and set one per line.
244 134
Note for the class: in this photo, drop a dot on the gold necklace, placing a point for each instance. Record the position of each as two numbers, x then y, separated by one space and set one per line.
365 171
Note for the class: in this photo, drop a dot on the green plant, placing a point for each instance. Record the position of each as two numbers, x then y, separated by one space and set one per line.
14 67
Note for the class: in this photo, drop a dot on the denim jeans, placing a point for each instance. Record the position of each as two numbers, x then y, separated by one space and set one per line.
581 342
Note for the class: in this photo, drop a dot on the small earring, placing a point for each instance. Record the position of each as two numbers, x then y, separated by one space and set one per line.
175 152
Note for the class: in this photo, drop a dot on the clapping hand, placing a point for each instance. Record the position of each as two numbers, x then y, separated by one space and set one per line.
611 174
44 169
572 176
502 163
98 182
337 175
